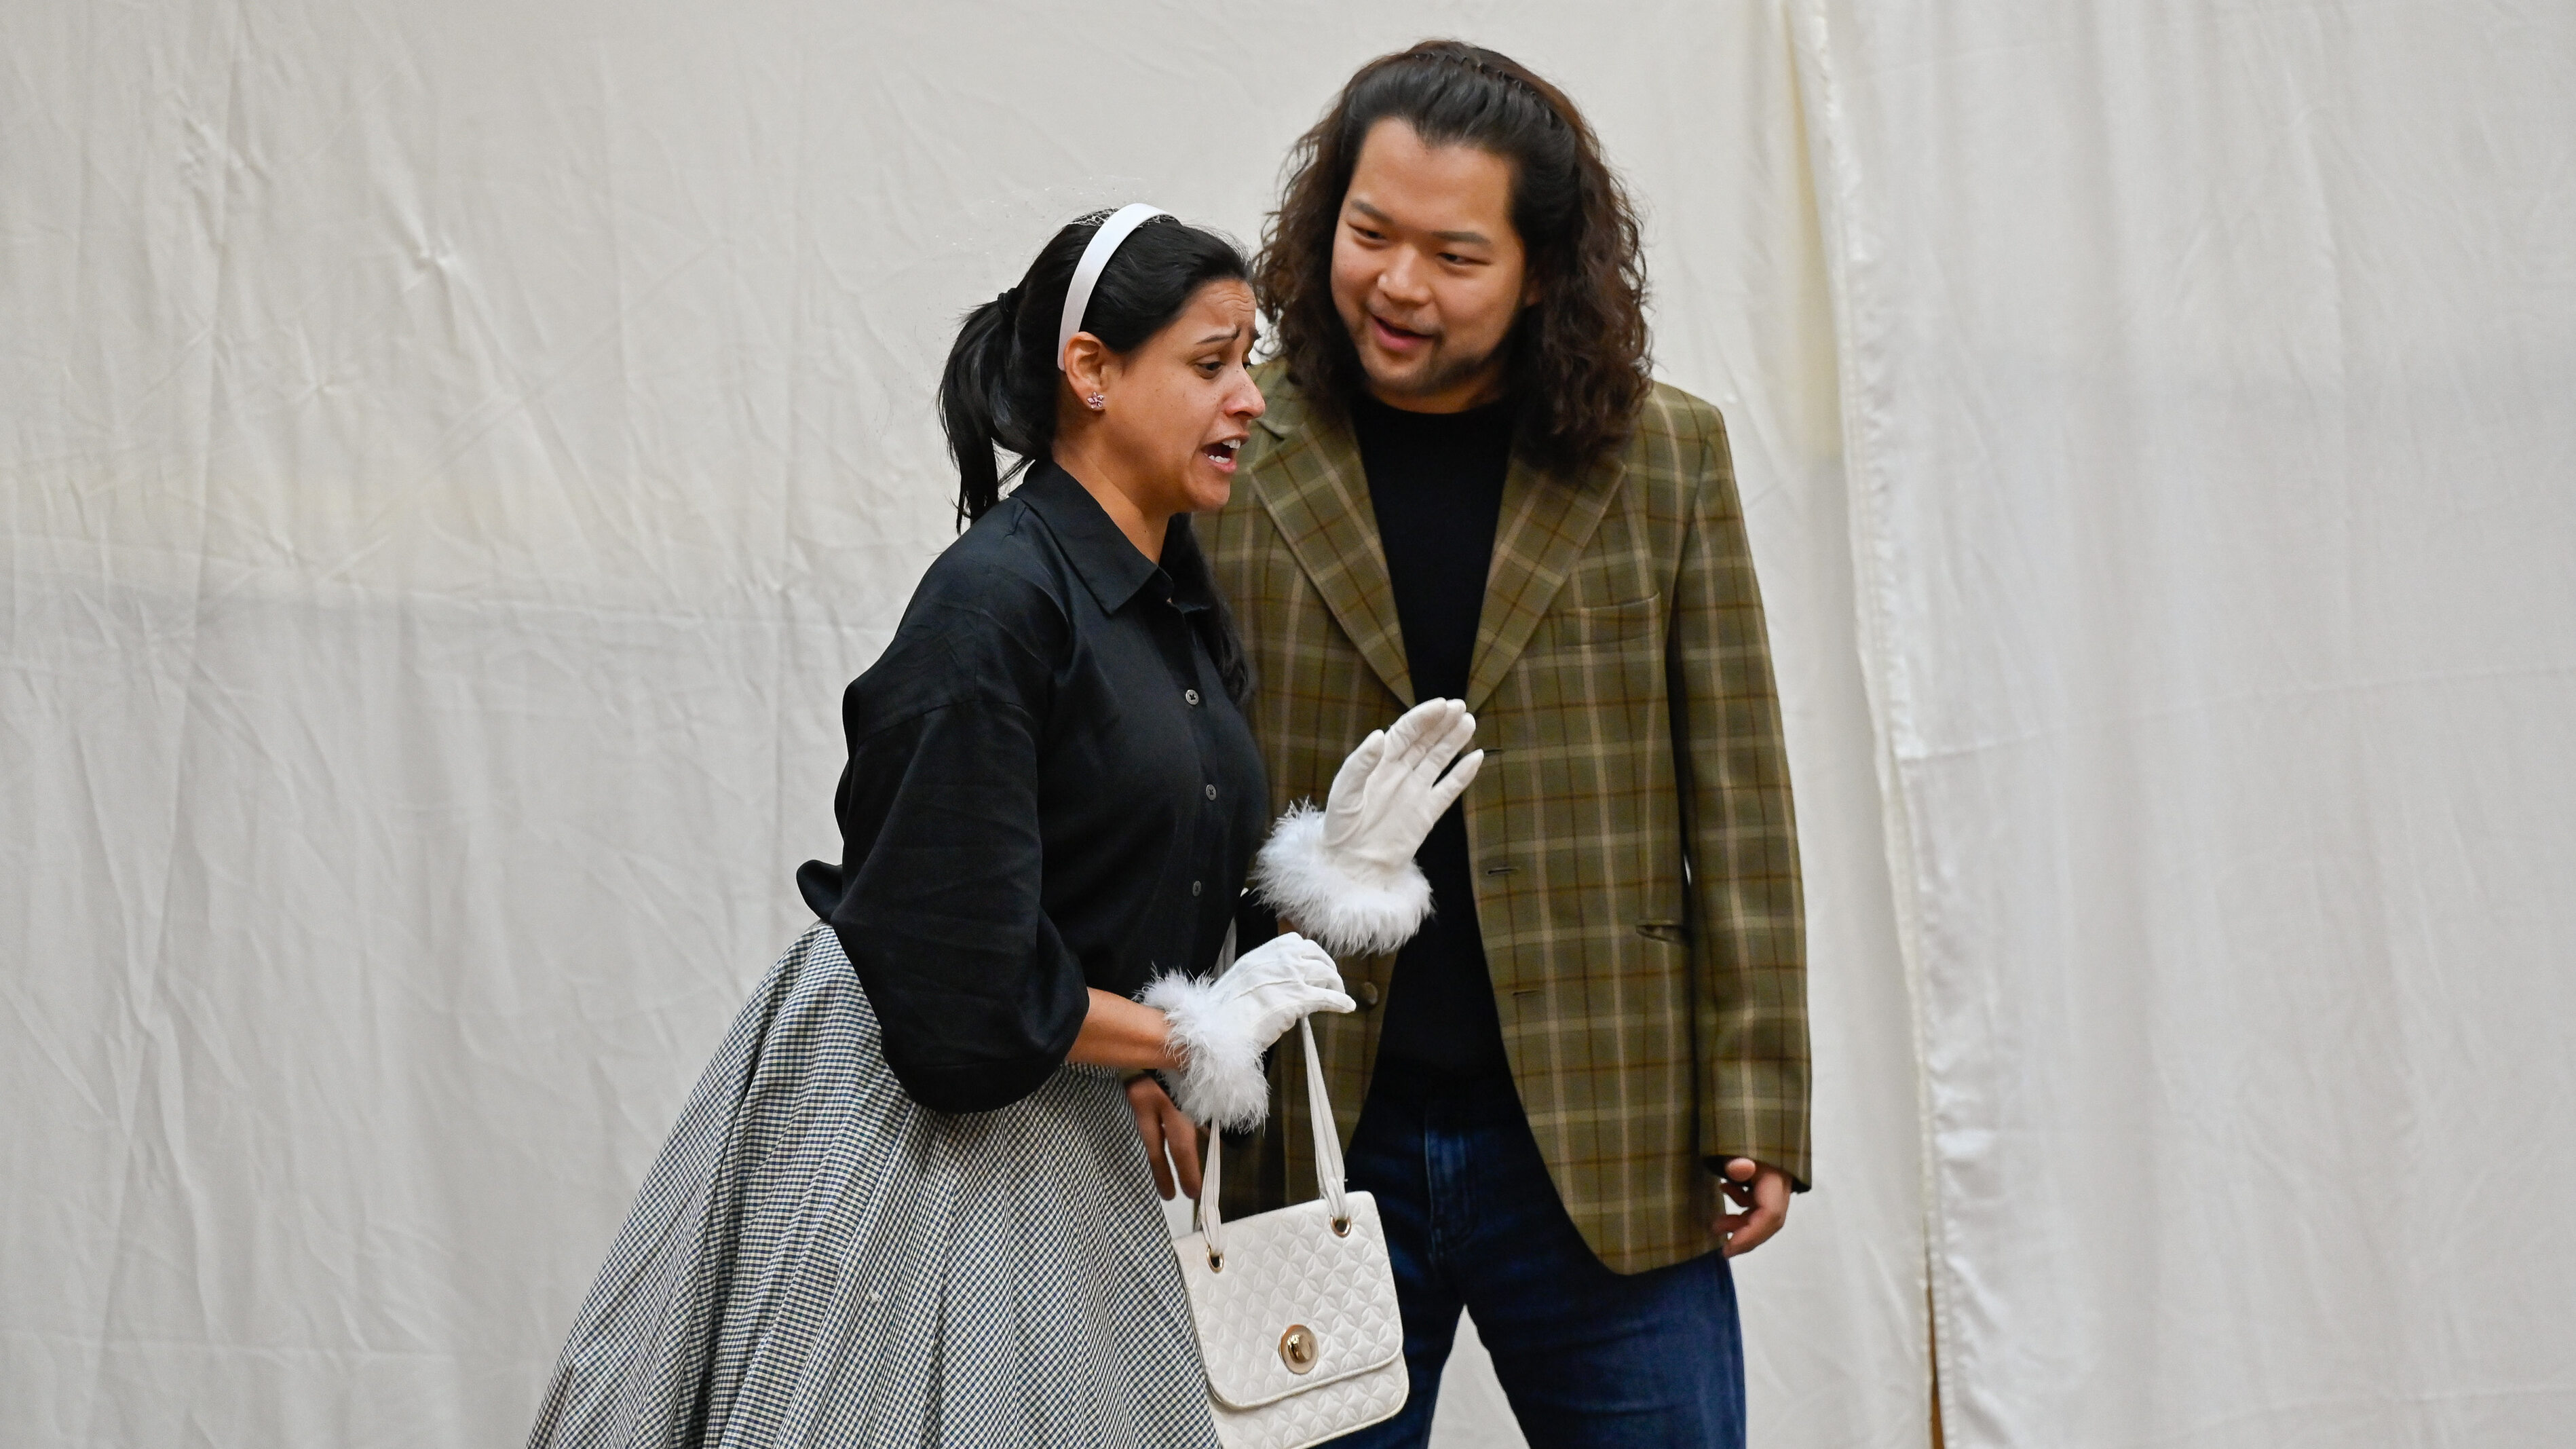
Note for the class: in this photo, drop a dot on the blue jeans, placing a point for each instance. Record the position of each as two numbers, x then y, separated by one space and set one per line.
1589 1359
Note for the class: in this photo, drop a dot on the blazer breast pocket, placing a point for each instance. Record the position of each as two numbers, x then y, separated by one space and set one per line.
1607 625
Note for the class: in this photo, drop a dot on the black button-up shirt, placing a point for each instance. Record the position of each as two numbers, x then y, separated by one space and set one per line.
1048 790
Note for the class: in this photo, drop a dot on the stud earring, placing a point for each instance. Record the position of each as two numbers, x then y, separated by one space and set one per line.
1097 402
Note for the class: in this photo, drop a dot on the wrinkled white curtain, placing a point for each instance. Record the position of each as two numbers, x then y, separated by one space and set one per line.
452 458
2207 376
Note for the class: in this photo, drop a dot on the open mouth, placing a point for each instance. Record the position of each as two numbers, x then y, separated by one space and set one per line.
1222 454
1394 338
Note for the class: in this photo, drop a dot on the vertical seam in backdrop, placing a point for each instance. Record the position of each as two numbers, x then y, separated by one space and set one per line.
1835 182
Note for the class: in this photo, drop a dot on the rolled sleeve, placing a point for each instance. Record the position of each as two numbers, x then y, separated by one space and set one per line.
938 901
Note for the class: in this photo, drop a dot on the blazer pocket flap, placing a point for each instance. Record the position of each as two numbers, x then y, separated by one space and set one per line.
1608 623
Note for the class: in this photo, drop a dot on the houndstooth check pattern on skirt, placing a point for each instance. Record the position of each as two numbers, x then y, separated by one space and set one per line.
816 1259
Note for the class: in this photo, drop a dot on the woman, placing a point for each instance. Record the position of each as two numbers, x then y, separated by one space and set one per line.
908 1203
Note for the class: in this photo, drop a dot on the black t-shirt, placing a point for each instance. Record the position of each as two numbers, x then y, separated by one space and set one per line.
1435 481
1048 790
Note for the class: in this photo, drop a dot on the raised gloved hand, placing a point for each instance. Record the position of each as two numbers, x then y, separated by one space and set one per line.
1345 874
1223 1024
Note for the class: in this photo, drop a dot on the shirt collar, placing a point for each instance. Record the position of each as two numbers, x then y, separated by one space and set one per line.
1099 550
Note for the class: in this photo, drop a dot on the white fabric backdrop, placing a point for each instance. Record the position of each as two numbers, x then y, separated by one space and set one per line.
452 461
2207 373
453 456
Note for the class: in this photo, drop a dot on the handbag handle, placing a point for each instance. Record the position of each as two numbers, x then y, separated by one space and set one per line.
1328 1157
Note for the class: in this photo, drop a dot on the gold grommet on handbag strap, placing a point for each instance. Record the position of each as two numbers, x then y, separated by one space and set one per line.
1341 1227
1297 1348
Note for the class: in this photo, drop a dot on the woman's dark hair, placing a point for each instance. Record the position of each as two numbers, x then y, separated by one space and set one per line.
999 389
1578 366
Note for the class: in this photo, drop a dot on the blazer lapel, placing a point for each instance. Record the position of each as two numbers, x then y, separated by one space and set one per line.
1545 523
1317 493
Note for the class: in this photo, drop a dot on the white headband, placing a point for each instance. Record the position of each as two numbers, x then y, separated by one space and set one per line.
1095 259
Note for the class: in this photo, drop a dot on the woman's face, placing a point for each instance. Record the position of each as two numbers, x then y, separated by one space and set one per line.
1177 409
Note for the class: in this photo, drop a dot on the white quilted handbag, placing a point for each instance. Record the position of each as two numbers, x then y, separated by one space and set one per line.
1296 1308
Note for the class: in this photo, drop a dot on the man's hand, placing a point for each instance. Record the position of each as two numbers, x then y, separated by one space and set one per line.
1163 1125
1761 1191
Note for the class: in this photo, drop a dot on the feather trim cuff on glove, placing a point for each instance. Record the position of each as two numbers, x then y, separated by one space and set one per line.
1223 1081
1350 907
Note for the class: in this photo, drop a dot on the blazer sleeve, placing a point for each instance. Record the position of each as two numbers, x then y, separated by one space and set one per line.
1740 837
937 899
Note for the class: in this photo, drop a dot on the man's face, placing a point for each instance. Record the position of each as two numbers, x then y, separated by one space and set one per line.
1427 270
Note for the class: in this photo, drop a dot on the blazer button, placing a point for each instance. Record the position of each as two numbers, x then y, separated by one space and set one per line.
1191 695
1368 993
1211 792
1197 886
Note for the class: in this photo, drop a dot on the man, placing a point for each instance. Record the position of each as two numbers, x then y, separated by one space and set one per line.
1468 486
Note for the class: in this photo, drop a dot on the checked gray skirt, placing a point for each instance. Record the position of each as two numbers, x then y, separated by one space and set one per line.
818 1260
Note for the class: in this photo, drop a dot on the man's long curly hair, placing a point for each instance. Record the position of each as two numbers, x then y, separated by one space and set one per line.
1577 368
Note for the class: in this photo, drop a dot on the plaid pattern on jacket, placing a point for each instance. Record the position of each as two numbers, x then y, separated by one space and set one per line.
1633 848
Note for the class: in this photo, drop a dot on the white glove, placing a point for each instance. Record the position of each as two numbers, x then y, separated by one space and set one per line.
1345 874
1223 1025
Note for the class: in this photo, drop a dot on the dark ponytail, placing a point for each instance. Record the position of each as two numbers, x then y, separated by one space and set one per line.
975 403
1000 387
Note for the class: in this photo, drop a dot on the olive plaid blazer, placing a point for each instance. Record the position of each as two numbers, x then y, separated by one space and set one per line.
1636 861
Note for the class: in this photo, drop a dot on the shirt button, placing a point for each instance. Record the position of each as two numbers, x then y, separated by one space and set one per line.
1211 792
1191 695
1196 887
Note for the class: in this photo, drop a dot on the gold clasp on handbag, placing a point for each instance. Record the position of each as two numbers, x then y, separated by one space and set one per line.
1297 1348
